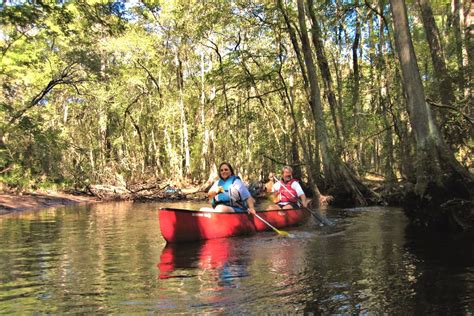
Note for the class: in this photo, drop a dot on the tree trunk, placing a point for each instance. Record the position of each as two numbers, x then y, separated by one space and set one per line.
184 124
288 98
385 102
336 172
439 176
294 42
305 146
355 64
295 156
325 72
315 95
443 81
456 6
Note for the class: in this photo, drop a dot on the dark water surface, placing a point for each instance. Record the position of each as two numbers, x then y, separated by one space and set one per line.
111 258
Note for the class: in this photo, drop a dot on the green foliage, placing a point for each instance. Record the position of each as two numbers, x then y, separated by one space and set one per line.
134 77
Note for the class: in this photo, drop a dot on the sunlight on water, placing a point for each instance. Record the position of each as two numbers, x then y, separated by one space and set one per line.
111 258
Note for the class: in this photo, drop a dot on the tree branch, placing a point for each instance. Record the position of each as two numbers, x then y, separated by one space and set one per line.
378 133
452 108
258 96
151 76
283 163
65 77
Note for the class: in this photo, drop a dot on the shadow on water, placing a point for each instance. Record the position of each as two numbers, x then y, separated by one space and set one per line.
445 270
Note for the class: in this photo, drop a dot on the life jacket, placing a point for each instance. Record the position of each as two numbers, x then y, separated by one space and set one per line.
230 196
287 193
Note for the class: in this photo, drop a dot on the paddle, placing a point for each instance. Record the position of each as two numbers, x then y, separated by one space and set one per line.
279 232
320 217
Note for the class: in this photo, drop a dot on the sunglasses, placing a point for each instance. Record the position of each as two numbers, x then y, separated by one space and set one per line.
225 169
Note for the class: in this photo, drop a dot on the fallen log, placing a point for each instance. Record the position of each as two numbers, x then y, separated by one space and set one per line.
109 192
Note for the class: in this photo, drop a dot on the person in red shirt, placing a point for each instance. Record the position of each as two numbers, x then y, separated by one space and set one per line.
287 192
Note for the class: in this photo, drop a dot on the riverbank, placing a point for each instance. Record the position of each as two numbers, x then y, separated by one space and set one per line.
10 202
37 200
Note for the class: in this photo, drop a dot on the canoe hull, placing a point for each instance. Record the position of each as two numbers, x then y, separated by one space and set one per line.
178 225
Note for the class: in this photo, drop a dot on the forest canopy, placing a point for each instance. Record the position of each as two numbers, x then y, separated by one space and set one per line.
125 91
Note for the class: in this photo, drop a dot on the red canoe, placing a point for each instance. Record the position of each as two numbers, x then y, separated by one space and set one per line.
179 225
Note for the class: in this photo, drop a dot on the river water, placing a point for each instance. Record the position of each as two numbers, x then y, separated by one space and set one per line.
111 258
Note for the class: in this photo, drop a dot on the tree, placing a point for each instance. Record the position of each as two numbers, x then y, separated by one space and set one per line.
338 175
439 177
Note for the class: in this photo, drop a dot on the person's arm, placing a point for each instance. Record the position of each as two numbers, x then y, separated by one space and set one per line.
276 192
300 193
246 196
304 200
214 190
251 204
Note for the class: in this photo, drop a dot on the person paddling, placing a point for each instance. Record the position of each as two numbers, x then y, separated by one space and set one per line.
229 193
288 192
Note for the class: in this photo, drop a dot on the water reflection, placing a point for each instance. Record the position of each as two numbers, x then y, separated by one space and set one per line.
216 257
75 259
111 258
205 276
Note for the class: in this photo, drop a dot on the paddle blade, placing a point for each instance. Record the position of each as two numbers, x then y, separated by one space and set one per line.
279 232
284 233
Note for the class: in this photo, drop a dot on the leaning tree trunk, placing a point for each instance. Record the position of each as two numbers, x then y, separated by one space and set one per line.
338 175
294 41
325 72
439 176
288 98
